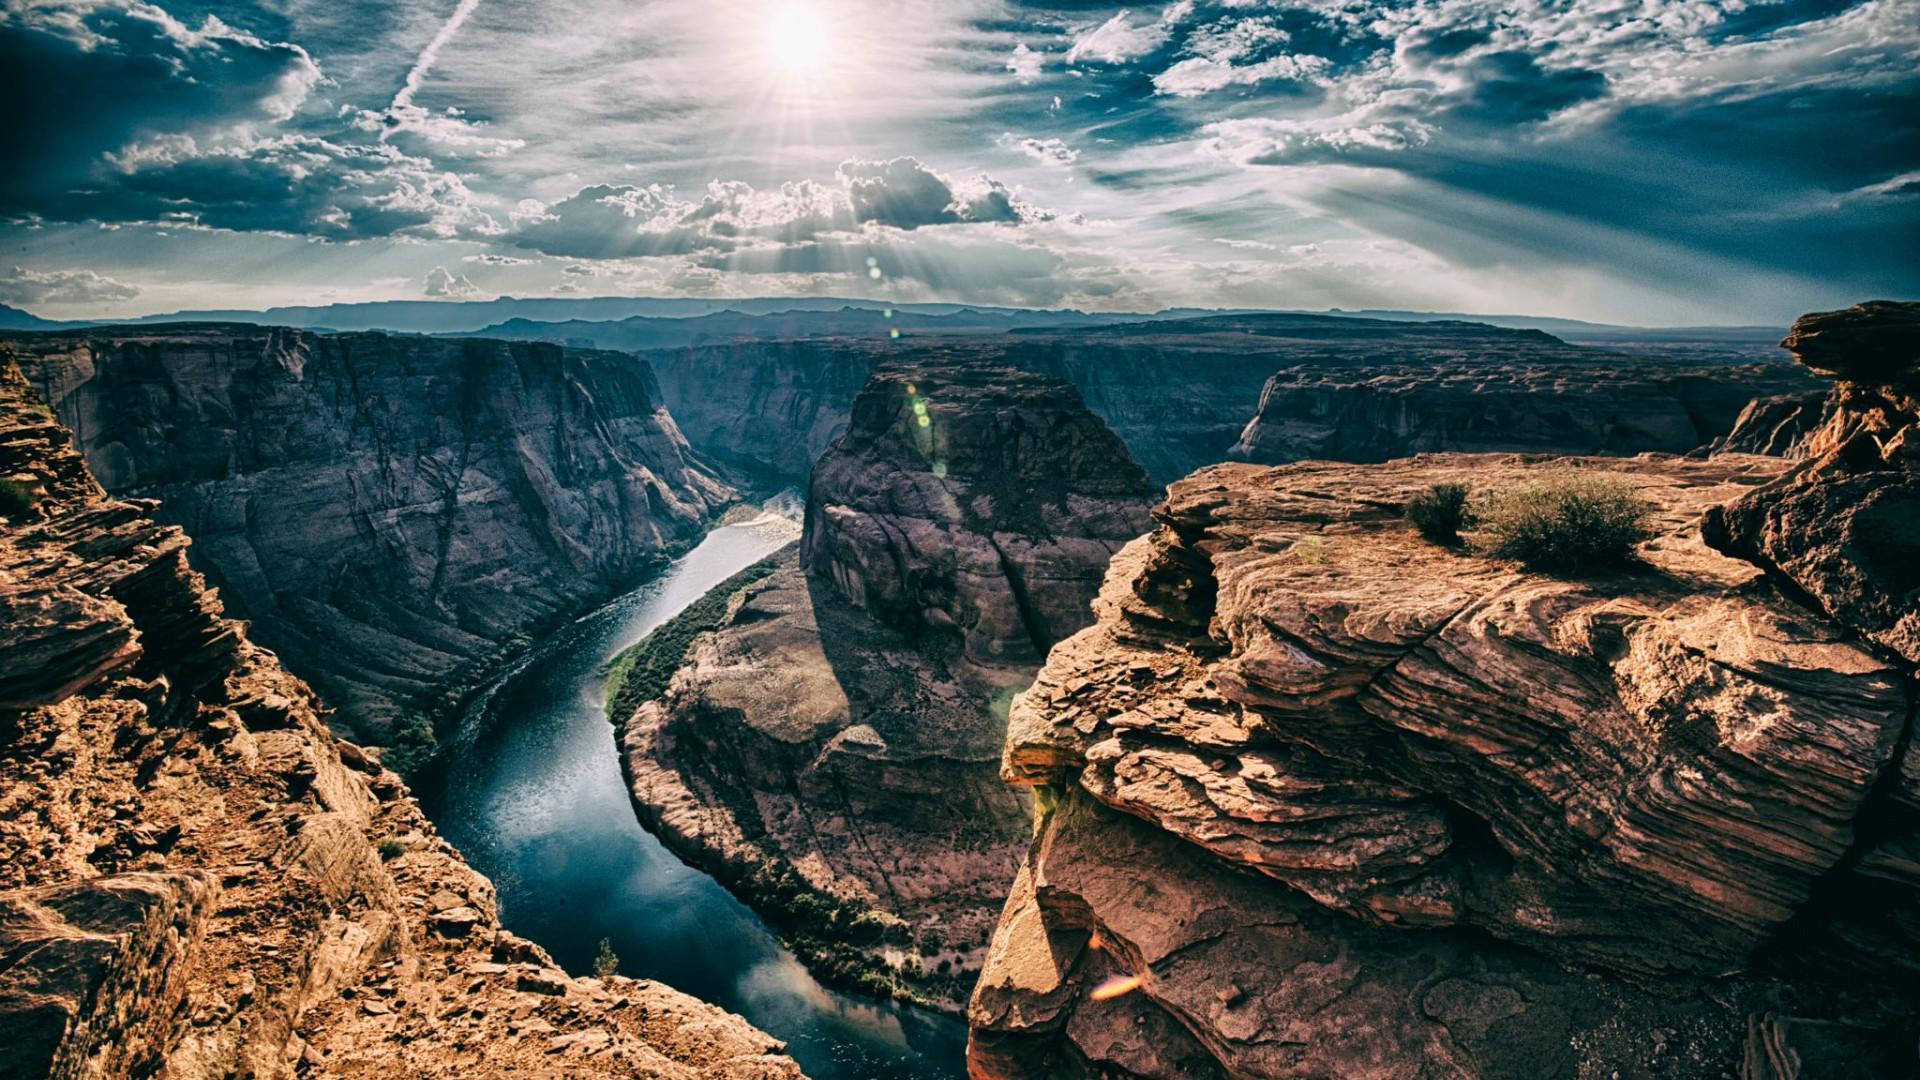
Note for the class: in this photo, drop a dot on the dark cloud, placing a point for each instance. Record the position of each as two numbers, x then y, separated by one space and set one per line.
83 79
607 221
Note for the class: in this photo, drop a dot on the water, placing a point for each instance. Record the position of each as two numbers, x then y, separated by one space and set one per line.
531 792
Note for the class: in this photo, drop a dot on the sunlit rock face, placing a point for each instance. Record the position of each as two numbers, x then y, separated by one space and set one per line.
392 513
1348 803
973 500
197 880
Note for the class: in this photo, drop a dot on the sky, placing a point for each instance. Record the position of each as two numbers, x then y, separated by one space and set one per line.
1652 162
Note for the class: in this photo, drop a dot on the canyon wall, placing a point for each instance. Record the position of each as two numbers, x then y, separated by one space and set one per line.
1179 392
198 880
829 745
1324 799
1593 404
393 514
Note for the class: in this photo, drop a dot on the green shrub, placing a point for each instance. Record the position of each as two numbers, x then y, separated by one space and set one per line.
1440 512
16 498
391 850
412 745
1567 521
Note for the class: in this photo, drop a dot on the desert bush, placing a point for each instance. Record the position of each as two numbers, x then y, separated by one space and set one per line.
606 962
1440 512
391 850
1566 521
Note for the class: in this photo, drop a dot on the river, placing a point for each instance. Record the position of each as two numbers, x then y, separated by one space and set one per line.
530 790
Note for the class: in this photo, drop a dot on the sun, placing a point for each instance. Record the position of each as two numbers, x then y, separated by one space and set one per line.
797 39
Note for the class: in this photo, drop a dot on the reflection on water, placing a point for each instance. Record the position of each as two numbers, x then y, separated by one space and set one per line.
531 792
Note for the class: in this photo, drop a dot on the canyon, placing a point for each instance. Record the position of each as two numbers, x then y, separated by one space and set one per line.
828 743
197 879
1294 791
394 515
1321 797
1181 392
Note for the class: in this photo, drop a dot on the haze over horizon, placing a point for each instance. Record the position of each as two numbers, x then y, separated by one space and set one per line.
1661 162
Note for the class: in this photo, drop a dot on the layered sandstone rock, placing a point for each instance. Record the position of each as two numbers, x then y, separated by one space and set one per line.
830 748
392 513
1346 803
197 880
1595 403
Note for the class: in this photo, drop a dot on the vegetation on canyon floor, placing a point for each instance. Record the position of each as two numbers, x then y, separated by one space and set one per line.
411 746
641 673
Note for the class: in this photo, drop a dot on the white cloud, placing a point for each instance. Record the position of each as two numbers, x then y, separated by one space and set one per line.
1198 75
1025 63
442 282
20 285
1120 39
488 258
1045 151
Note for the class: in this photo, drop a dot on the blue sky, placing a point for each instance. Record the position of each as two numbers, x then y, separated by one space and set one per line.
1641 161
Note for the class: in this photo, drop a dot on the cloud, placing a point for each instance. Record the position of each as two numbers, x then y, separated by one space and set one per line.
295 184
87 78
608 221
1120 39
443 282
1313 142
1045 151
1202 75
20 286
1025 63
489 258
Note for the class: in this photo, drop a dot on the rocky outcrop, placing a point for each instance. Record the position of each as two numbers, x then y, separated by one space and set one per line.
1596 403
1333 801
972 500
830 748
392 513
198 880
1776 426
1844 526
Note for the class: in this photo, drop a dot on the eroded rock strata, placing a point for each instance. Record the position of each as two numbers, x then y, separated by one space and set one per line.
1179 392
392 513
830 749
198 880
1598 403
1346 803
